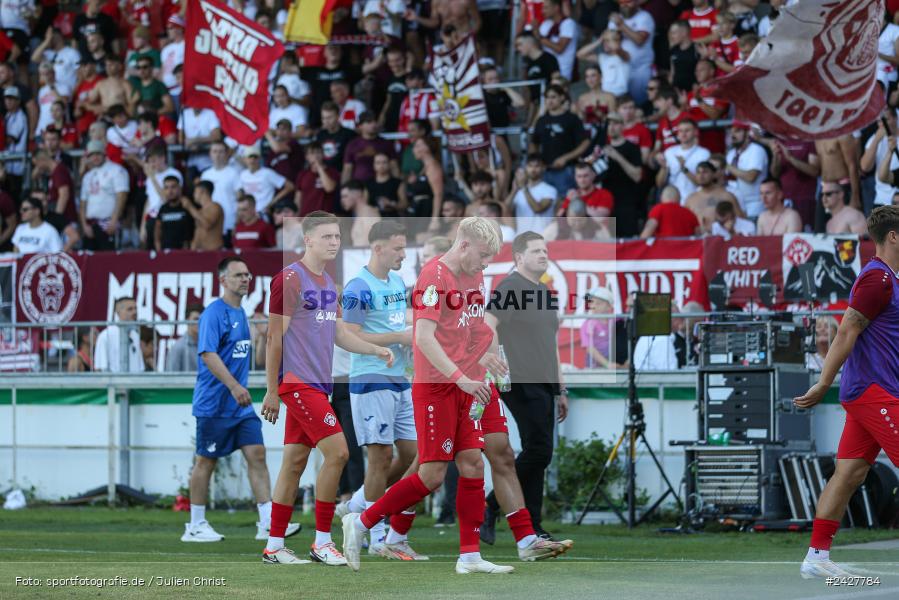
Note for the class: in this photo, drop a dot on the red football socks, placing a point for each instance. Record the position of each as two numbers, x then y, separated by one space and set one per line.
281 514
405 493
401 523
520 524
470 508
823 531
324 514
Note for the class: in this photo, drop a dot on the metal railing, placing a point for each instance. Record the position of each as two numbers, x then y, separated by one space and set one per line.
49 348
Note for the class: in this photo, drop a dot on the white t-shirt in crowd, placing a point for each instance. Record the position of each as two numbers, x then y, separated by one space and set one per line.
567 29
883 192
124 137
525 217
226 182
154 200
99 188
741 227
46 96
262 185
14 14
676 175
655 353
297 89
643 56
752 158
171 56
31 240
615 73
107 351
194 124
886 45
296 114
392 23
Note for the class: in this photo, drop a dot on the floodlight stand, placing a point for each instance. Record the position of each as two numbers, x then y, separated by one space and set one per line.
634 432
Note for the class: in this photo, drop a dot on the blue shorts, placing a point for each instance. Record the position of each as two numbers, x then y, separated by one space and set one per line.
220 436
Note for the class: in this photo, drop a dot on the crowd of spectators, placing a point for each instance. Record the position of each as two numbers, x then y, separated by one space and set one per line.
618 145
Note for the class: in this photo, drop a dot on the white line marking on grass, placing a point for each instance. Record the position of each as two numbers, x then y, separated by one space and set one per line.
866 593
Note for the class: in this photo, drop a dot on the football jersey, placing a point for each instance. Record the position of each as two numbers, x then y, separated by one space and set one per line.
225 331
701 22
456 304
310 301
379 307
873 359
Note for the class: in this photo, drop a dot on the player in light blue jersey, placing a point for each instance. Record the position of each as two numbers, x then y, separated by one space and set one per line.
374 308
223 407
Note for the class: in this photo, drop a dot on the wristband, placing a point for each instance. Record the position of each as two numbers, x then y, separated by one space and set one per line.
456 376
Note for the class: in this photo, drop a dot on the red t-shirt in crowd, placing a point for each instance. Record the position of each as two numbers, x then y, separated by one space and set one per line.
312 193
667 131
82 92
713 139
61 177
638 134
598 198
701 22
674 220
727 50
258 235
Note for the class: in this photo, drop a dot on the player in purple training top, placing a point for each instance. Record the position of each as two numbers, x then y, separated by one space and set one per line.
867 341
304 325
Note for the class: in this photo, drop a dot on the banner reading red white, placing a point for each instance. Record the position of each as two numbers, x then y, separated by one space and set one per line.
456 78
227 60
814 76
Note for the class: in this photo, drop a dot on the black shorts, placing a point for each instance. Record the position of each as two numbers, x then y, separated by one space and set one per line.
495 25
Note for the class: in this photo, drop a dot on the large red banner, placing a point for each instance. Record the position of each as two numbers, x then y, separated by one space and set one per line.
227 61
814 76
455 76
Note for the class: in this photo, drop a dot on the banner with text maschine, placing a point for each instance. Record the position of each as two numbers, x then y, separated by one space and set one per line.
456 78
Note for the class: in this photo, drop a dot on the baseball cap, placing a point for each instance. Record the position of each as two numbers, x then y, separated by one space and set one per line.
11 92
253 150
372 9
96 147
601 293
176 20
614 116
737 124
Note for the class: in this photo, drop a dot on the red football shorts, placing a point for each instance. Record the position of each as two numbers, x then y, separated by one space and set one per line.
494 419
442 422
872 423
310 417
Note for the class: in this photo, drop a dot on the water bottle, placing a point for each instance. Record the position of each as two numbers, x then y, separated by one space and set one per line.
504 384
476 411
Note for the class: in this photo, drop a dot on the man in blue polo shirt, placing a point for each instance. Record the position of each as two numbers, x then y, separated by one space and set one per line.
374 308
223 407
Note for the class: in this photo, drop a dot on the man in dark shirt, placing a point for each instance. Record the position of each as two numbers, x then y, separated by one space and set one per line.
358 159
174 225
623 177
538 65
94 21
683 57
523 312
320 78
396 90
284 156
316 184
560 139
333 136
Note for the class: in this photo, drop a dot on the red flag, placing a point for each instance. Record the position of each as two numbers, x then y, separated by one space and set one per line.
227 61
814 76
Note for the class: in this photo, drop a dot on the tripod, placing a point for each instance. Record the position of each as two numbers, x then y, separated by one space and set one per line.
634 432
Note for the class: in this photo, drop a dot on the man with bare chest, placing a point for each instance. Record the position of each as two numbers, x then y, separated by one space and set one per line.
208 218
776 219
843 218
839 159
462 14
113 90
703 201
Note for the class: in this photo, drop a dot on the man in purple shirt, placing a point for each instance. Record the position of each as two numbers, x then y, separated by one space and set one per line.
359 157
867 341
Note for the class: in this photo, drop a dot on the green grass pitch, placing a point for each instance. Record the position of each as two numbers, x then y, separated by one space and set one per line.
606 562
